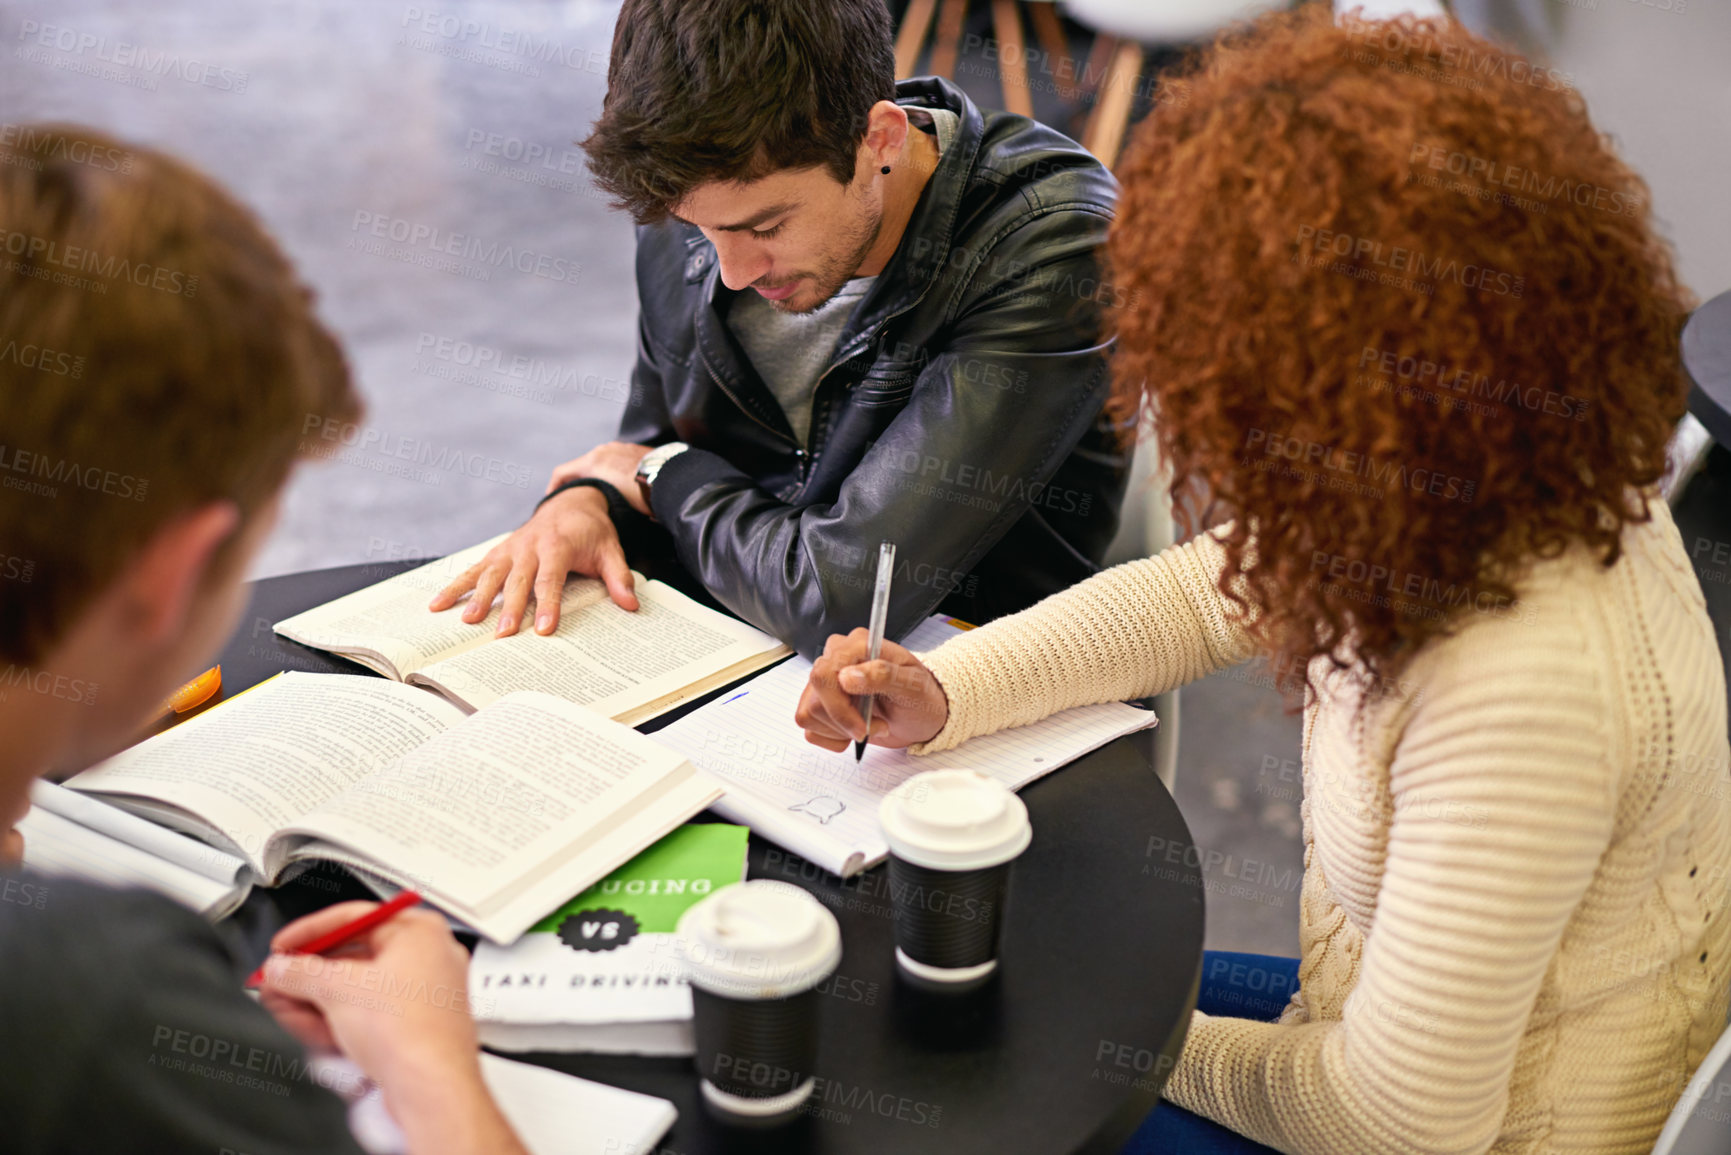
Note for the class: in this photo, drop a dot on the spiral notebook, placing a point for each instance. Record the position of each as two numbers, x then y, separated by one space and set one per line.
824 806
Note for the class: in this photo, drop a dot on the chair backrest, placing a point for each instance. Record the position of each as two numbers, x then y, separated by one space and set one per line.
1164 21
1145 524
1181 21
1389 9
1700 1123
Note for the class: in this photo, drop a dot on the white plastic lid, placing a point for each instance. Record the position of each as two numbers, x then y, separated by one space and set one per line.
759 940
954 820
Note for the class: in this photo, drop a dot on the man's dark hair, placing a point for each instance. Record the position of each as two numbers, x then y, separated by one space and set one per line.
733 90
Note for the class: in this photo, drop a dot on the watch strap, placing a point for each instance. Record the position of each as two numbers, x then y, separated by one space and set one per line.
612 495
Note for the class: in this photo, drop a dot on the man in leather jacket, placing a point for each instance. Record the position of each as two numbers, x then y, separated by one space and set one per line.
868 311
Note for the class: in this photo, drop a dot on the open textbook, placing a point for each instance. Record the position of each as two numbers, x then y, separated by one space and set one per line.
496 818
626 666
824 806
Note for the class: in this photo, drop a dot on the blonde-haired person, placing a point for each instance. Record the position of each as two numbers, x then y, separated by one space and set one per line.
158 360
1402 317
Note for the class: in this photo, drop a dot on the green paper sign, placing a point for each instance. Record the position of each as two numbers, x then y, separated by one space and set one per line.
666 880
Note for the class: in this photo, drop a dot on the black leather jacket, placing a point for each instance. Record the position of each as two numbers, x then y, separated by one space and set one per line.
960 416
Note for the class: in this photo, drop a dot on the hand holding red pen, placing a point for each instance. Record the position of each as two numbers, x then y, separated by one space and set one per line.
394 999
341 935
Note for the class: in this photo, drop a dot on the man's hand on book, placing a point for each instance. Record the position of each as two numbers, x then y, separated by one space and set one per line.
910 706
395 1000
570 533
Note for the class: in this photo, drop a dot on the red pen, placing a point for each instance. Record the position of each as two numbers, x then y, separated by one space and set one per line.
382 913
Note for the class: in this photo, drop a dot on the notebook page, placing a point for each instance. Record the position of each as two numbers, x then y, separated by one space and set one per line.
767 818
815 802
552 1113
117 824
55 846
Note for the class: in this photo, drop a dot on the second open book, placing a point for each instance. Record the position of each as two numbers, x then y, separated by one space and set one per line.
628 666
496 817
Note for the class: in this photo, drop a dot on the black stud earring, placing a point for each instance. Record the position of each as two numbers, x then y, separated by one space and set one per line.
886 170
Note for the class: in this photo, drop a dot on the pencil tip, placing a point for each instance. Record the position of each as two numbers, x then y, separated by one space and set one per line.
858 751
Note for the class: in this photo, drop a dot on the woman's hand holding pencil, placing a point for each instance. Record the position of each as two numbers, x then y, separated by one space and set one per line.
908 703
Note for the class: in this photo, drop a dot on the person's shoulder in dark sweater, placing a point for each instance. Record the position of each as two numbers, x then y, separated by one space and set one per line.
125 1028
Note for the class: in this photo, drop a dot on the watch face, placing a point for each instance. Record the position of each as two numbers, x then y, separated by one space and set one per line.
651 463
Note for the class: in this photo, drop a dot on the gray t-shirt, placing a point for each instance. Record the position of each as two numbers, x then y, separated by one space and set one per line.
789 350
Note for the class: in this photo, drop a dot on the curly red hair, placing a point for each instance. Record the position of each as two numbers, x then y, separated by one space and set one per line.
1396 307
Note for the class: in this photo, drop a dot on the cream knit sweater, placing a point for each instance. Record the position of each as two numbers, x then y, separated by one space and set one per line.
1513 924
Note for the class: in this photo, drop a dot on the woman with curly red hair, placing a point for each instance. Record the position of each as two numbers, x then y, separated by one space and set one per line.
1398 314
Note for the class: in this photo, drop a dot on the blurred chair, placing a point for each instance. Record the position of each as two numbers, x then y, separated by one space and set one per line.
1006 29
1144 529
1123 29
1389 9
1533 26
1165 21
1706 347
1012 46
1126 28
1700 1123
1685 456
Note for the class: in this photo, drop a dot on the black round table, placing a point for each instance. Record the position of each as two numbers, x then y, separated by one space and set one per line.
1707 357
1065 1050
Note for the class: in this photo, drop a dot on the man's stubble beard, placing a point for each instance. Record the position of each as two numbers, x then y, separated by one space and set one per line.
833 274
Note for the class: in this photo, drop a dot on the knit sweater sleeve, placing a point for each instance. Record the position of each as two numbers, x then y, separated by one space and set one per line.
1138 629
1503 784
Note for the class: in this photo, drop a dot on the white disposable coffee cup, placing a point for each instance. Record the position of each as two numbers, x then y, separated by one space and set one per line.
953 835
755 952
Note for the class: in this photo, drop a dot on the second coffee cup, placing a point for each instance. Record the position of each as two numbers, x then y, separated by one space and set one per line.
953 835
755 953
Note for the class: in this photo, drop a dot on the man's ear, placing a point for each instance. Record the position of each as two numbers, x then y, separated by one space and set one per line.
160 587
886 133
